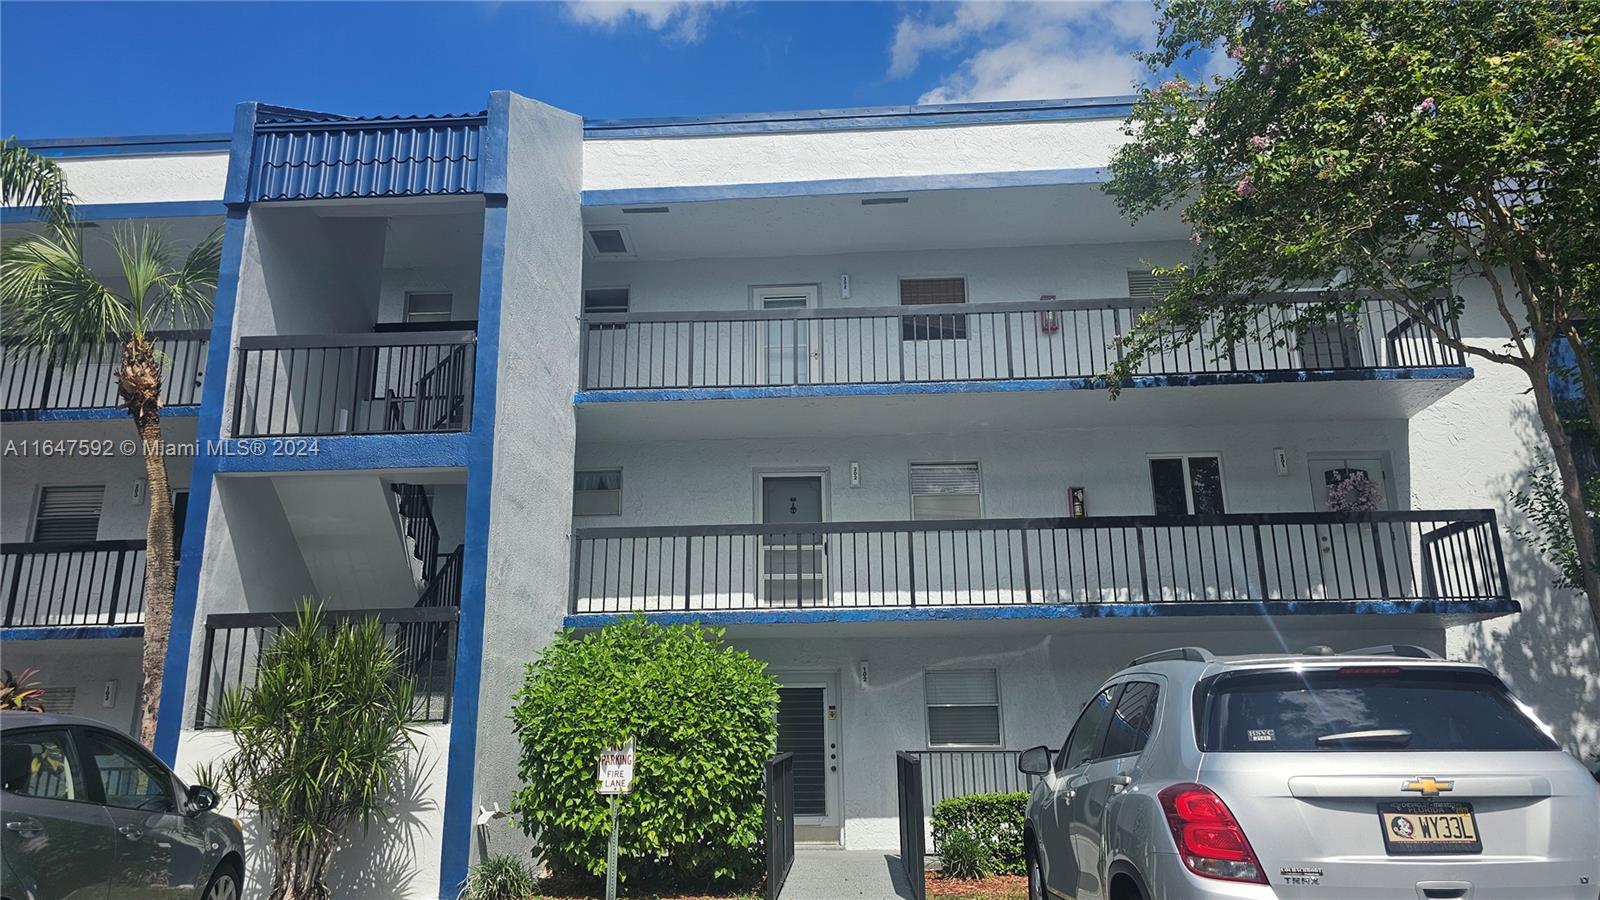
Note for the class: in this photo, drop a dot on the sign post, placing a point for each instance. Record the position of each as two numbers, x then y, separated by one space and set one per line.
616 778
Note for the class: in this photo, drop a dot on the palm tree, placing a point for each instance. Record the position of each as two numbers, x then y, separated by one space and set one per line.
52 301
28 179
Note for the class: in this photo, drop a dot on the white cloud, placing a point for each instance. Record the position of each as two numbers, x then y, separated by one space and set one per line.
1015 51
682 20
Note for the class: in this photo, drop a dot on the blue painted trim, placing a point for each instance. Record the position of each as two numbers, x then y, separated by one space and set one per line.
1020 385
1479 608
107 212
89 415
372 451
835 186
456 842
71 632
240 153
126 145
871 117
186 593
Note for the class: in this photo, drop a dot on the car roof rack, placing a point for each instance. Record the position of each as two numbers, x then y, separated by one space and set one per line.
1188 654
1409 651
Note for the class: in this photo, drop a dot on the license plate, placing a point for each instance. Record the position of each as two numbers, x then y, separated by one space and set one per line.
1429 826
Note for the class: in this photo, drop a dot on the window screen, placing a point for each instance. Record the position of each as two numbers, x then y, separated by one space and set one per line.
963 707
597 492
945 491
598 301
1131 723
428 307
1187 485
930 291
69 513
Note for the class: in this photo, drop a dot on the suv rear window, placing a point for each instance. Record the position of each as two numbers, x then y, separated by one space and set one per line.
1378 708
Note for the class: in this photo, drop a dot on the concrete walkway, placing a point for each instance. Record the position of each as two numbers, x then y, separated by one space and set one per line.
820 874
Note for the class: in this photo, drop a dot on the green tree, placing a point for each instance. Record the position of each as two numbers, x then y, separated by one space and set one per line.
321 742
52 301
1380 149
27 179
704 718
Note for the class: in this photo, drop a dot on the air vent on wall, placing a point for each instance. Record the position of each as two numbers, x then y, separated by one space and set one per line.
645 209
59 699
609 240
1146 285
884 201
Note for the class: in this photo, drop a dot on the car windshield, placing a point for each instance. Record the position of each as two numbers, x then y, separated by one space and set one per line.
1365 708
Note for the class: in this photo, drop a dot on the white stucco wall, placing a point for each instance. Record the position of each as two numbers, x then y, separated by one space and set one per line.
615 163
85 667
154 178
396 856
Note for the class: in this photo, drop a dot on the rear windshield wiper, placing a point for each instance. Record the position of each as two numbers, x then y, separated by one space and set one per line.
1396 737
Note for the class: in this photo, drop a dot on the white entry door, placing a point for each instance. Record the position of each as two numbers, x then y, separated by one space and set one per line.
1357 561
793 563
788 352
808 727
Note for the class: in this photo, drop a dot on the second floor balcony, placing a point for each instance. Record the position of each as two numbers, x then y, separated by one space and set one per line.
1052 567
809 346
54 584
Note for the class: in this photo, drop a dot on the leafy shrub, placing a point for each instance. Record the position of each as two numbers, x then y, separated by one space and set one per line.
992 822
704 717
500 877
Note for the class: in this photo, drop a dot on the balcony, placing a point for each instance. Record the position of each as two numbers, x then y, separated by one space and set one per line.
350 384
1424 561
36 383
424 638
54 585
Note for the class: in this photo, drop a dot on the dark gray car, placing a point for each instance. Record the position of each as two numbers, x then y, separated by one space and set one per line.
88 813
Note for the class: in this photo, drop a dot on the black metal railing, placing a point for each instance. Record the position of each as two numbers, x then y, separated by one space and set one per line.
416 517
58 584
960 773
1405 555
304 385
780 822
443 588
424 638
979 342
35 379
913 822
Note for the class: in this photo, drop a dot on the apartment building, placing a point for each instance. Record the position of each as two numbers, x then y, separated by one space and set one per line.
826 380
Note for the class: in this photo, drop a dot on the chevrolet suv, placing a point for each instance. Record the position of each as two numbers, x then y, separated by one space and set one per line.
1378 773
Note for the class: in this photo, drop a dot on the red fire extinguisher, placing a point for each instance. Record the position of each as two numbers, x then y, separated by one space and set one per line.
1049 319
1075 502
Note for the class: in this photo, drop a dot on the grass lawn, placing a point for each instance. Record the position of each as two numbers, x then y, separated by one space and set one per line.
995 887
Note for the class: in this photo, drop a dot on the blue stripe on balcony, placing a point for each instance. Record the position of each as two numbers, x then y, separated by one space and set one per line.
71 632
1180 609
85 415
1019 385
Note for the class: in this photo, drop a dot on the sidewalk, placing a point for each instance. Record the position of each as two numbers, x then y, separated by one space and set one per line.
845 875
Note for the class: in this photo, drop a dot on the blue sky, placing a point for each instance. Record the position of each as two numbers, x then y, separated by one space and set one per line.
132 68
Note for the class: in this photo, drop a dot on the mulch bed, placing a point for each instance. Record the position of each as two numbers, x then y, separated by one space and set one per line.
995 887
559 889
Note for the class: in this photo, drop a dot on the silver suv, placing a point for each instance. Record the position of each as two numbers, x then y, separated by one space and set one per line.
1379 773
90 814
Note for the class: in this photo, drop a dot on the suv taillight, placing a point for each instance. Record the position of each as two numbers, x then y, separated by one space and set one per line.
1209 838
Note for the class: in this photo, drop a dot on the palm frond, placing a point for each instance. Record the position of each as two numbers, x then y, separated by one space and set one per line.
28 179
185 297
51 299
146 261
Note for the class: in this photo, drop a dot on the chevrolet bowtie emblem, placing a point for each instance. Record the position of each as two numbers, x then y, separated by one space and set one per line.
1428 787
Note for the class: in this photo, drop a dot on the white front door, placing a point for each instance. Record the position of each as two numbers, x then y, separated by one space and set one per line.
788 353
1358 561
793 562
808 727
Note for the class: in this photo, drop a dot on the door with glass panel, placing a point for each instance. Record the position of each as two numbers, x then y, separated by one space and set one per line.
1189 556
793 561
788 347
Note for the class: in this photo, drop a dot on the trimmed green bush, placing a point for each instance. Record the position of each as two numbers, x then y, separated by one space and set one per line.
704 717
500 877
984 828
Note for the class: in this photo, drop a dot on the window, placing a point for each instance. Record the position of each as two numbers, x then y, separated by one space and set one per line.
39 763
1135 717
598 301
1187 485
129 777
1384 708
611 240
1084 741
69 513
928 292
597 492
1144 285
963 707
429 307
945 491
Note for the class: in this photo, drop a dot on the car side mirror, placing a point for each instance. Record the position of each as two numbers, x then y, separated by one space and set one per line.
201 799
1034 761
